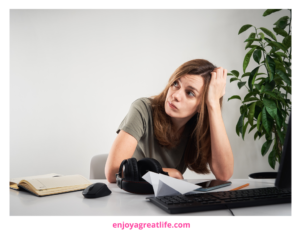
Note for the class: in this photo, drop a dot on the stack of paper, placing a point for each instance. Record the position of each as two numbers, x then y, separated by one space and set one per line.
167 186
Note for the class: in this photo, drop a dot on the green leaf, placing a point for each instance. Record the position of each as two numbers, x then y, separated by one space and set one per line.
270 67
284 114
254 126
287 89
247 59
239 126
283 18
251 113
250 99
244 28
243 109
279 66
277 58
246 74
265 122
257 86
233 79
248 95
244 130
234 97
262 36
284 77
270 11
287 64
268 136
229 74
279 120
260 78
282 22
270 86
272 158
269 103
241 84
273 95
269 33
270 107
288 101
256 46
281 54
252 35
258 121
280 32
252 76
255 91
273 50
257 134
235 72
252 39
287 41
260 48
265 147
281 136
278 45
257 56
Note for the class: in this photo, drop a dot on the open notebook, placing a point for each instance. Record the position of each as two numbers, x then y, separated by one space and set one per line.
50 184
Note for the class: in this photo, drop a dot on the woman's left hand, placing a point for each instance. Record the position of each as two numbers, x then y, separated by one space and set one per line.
217 86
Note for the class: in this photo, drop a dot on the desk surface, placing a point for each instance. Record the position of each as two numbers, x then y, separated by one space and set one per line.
121 203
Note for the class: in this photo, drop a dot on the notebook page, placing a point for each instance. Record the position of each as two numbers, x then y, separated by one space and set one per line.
17 180
56 182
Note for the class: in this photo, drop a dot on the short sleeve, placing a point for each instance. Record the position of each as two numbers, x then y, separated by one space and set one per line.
136 120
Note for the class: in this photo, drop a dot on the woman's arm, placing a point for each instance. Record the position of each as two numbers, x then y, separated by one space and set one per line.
221 162
173 173
123 147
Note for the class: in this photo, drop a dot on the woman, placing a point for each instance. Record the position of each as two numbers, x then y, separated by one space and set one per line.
182 127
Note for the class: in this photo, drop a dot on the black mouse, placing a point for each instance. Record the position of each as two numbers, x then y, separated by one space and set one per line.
96 190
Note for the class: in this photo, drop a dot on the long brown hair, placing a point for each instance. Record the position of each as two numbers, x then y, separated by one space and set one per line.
198 149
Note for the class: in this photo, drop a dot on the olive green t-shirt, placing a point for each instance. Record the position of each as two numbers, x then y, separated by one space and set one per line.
139 123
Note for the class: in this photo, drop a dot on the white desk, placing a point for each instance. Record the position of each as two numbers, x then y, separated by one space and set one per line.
121 203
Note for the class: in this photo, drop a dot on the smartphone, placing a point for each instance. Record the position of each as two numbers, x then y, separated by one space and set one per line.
211 185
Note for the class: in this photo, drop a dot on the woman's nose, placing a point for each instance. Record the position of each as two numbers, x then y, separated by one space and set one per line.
177 95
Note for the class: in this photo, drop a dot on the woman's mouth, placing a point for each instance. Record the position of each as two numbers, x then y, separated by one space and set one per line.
172 106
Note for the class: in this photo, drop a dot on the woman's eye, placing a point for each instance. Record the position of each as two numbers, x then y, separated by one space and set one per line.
175 84
191 93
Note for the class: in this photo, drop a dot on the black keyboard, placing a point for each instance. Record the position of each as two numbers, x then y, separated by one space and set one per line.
222 200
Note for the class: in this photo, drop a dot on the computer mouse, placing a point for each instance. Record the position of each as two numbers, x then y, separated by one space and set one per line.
96 190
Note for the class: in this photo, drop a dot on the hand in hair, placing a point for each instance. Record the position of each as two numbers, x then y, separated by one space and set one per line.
217 86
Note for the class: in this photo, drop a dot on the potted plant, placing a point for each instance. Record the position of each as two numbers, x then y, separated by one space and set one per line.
267 104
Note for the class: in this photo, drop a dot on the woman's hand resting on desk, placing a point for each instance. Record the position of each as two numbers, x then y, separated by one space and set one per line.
174 173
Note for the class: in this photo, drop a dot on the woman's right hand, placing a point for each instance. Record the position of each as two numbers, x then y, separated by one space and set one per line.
173 173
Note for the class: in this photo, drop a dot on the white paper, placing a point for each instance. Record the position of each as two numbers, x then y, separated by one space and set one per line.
167 186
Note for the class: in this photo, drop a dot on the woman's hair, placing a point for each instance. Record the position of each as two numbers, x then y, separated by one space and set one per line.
198 149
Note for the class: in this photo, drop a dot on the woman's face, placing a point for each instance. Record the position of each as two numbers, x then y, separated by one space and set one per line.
183 97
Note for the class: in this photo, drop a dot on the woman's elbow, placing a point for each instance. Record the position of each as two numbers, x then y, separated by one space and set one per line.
110 176
111 180
224 177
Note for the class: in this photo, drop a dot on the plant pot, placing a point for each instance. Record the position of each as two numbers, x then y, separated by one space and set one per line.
263 175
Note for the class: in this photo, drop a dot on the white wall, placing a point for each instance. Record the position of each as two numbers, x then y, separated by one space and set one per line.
74 74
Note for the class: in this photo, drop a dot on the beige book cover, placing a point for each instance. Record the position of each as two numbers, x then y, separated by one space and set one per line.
50 184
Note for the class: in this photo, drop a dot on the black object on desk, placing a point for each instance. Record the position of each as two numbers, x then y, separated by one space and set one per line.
129 178
222 200
240 198
96 190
